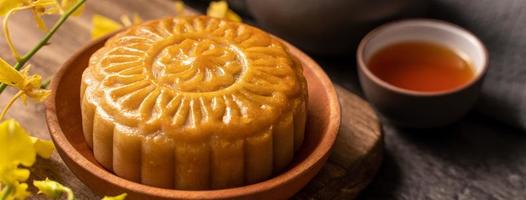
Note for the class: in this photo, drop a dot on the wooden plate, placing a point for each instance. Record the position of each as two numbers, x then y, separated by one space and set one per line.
64 122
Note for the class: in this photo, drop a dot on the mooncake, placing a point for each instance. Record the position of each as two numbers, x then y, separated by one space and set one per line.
193 103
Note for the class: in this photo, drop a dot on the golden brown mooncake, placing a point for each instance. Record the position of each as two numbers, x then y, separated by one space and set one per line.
193 103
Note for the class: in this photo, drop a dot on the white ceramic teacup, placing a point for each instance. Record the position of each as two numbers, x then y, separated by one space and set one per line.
415 108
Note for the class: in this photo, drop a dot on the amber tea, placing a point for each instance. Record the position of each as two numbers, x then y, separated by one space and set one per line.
421 66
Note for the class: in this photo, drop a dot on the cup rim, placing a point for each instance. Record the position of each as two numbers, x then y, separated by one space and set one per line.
362 65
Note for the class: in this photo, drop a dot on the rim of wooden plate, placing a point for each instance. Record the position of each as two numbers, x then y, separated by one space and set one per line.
319 153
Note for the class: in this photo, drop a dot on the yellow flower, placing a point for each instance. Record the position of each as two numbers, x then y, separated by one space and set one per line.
7 5
179 8
53 189
38 8
68 4
44 148
20 192
29 86
42 7
219 9
119 197
102 25
17 149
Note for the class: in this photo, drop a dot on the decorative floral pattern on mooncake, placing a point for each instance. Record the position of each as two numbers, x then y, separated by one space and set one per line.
193 103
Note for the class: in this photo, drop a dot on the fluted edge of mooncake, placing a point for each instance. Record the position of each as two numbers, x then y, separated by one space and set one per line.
201 162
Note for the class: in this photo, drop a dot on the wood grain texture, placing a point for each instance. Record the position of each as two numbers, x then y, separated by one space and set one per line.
357 152
346 173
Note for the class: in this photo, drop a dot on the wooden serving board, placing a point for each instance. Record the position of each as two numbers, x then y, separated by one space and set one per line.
356 155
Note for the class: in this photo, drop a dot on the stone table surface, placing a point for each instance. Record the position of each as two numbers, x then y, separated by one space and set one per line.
476 158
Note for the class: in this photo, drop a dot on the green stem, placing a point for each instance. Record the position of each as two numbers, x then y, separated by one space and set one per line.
45 84
44 40
5 192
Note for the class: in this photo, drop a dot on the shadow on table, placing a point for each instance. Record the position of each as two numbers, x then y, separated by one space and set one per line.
476 158
474 139
386 181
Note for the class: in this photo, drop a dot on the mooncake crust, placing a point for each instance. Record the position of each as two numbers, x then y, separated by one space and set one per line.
193 103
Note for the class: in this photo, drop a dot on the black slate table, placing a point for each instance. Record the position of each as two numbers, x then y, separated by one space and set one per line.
477 158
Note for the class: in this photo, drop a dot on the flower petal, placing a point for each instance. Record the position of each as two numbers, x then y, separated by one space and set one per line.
41 7
16 149
45 3
179 8
30 85
67 4
9 75
219 9
232 16
16 144
6 5
136 19
38 95
21 191
32 88
44 148
40 22
20 174
118 197
102 26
